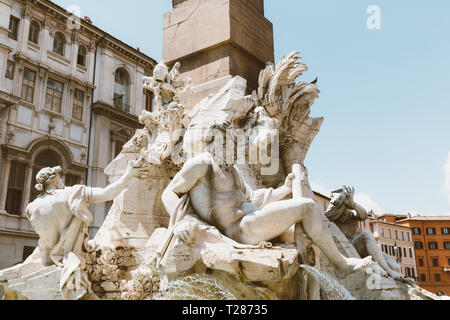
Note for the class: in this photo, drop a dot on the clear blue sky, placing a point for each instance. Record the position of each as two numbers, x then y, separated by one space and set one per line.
385 93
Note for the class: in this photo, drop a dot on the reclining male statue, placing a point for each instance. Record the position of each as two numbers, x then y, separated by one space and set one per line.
347 215
61 218
220 197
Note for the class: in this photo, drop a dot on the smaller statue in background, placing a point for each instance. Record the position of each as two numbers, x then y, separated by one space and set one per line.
165 125
347 215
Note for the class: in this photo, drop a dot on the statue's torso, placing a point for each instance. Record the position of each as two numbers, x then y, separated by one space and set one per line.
50 215
217 199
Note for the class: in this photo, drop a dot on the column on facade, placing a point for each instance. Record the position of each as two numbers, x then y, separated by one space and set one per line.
73 55
27 188
25 29
45 40
4 187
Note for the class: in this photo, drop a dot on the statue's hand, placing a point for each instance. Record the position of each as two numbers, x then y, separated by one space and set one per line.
289 181
184 232
349 200
137 169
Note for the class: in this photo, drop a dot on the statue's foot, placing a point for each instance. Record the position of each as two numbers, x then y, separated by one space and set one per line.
353 265
395 275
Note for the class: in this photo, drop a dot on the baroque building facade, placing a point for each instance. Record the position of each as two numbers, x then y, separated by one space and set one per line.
70 95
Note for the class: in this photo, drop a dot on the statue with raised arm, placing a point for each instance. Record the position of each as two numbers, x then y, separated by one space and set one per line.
165 125
61 218
219 196
347 215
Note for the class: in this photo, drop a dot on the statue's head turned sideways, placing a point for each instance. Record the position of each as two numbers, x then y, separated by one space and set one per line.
49 177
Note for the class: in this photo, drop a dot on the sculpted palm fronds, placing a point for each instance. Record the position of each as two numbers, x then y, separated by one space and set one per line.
278 92
290 103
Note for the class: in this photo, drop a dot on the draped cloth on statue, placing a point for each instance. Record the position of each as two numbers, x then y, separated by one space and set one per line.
61 219
185 214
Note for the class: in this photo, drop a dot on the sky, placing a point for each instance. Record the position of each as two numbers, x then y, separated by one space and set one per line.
385 93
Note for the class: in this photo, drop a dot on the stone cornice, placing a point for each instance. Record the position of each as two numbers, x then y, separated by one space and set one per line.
59 13
116 114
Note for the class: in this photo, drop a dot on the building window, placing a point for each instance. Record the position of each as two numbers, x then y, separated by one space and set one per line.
390 233
53 97
118 145
27 251
417 231
403 236
15 188
448 261
418 245
404 252
382 232
423 278
59 42
33 35
396 235
72 180
431 231
445 230
409 236
420 262
435 262
47 158
437 277
149 107
78 104
432 245
13 27
28 82
447 245
410 253
81 59
10 70
121 90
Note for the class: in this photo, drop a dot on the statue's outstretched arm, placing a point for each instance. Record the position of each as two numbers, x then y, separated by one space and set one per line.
99 195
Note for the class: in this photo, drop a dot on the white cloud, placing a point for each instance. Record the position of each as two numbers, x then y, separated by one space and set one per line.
446 170
368 203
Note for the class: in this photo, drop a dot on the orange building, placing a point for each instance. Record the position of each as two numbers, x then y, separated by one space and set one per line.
431 236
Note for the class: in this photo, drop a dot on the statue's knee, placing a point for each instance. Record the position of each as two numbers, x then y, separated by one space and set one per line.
304 203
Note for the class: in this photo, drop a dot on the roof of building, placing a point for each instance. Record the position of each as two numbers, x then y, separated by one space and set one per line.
321 194
427 218
136 51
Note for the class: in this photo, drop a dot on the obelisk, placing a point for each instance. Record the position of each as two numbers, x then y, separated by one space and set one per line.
218 39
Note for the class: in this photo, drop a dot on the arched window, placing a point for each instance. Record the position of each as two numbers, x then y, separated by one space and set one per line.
33 35
59 43
81 60
121 90
44 159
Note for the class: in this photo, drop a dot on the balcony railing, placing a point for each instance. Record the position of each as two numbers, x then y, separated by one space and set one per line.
446 268
119 104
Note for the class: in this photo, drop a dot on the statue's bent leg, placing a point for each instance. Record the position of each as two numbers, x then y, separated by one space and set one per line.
271 221
366 239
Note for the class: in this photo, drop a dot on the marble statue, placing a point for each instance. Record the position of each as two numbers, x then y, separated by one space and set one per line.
166 124
219 196
347 215
60 216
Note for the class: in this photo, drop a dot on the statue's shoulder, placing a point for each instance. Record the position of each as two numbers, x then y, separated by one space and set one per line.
204 159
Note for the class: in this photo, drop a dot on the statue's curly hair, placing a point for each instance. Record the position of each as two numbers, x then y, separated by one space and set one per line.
45 176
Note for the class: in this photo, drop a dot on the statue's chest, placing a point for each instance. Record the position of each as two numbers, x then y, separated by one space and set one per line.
222 180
